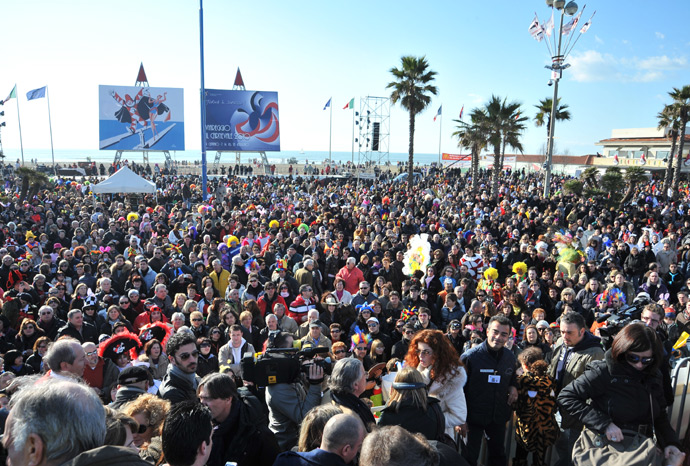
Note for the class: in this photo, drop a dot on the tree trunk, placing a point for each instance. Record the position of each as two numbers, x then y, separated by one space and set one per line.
679 159
25 188
497 171
628 195
410 162
503 152
669 167
35 188
475 170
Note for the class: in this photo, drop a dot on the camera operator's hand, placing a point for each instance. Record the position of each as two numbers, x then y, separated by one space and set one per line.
315 374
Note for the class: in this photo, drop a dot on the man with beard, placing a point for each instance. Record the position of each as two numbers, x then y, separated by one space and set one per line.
180 382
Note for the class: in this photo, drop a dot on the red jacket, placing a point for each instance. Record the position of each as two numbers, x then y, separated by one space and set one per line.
352 278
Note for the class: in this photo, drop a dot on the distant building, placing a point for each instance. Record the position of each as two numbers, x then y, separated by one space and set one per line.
630 144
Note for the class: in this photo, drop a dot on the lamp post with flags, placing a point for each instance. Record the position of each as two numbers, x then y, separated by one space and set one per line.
559 53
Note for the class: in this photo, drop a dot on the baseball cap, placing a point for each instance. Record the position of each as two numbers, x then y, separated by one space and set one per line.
132 374
315 323
372 319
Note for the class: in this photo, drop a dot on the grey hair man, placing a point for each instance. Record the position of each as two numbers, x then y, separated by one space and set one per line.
66 358
348 381
52 422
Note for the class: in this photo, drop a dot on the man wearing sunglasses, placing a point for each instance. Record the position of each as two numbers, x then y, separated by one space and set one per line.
573 352
180 382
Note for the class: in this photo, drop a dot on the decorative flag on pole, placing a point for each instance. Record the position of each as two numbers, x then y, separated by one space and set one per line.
328 104
517 116
350 104
13 94
687 160
36 93
536 30
572 24
586 26
548 27
643 159
461 110
438 113
615 159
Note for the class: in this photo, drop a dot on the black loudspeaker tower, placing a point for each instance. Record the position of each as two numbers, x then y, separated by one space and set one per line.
375 139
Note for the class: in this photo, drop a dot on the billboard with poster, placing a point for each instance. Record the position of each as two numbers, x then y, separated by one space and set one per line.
140 118
242 121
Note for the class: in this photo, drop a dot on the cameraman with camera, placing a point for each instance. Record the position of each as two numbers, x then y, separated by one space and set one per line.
288 403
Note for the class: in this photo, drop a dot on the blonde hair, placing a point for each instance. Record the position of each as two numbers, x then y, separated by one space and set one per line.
189 304
418 396
246 314
156 409
375 344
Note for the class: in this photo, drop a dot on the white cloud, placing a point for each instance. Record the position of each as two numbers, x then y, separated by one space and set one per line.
659 35
598 39
475 99
591 65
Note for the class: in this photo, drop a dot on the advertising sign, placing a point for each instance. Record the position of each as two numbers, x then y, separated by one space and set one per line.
140 118
242 121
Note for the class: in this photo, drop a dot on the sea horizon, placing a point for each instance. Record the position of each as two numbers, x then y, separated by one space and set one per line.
62 156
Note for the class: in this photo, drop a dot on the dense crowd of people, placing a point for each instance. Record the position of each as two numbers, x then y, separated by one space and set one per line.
295 321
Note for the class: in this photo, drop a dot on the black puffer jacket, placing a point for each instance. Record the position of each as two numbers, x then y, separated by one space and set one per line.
619 394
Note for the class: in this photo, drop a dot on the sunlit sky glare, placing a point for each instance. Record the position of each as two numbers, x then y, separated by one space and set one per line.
308 51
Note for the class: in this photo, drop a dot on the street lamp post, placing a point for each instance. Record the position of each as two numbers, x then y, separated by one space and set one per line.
557 68
204 191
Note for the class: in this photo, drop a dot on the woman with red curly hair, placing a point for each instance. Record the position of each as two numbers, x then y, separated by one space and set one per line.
435 358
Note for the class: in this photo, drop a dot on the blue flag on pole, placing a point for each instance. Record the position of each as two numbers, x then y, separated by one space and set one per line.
328 104
36 93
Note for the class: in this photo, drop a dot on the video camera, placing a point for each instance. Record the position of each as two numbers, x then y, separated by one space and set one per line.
617 320
282 365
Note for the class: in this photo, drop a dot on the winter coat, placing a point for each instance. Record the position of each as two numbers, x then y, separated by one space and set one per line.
449 391
619 393
243 437
488 400
108 455
413 419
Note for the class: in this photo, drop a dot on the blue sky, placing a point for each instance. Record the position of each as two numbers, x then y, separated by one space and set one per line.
622 68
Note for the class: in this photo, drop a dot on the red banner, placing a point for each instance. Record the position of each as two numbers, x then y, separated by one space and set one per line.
445 156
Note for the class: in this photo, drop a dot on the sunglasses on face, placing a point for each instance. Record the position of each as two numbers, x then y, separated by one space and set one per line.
193 354
634 359
360 348
90 353
196 320
142 429
339 351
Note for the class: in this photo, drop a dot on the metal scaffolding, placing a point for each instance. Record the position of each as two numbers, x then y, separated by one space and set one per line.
374 126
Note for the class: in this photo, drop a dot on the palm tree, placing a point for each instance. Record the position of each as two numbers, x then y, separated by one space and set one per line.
27 175
681 101
589 177
633 176
543 116
504 125
668 120
38 180
473 136
412 88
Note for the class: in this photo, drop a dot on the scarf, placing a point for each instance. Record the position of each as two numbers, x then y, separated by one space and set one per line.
176 371
350 401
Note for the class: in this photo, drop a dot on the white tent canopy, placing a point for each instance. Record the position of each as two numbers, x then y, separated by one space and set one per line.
124 181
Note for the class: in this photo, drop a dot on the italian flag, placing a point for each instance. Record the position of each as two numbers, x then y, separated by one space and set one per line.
13 94
350 104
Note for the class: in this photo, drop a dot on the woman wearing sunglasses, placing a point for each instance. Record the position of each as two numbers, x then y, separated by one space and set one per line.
432 353
626 393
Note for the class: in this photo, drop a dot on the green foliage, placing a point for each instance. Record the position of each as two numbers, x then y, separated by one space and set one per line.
574 187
